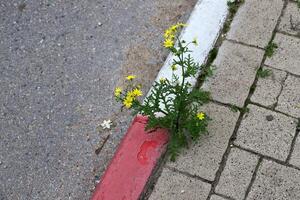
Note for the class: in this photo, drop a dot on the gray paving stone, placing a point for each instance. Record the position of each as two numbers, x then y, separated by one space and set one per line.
275 182
289 99
237 174
268 88
286 57
175 186
255 22
203 158
295 159
290 22
215 197
267 132
235 72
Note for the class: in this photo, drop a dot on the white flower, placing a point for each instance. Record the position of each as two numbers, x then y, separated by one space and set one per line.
106 124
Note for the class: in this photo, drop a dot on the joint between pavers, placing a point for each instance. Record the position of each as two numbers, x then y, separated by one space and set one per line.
281 89
188 174
282 70
253 177
224 196
293 142
225 156
288 34
267 157
245 44
272 109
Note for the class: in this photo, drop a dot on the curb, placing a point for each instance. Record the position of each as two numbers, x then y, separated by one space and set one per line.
133 163
139 152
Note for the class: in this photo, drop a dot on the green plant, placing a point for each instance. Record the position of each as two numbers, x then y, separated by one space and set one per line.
298 3
233 5
270 49
172 104
263 73
234 108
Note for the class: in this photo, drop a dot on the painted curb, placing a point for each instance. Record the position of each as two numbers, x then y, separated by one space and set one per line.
138 153
133 163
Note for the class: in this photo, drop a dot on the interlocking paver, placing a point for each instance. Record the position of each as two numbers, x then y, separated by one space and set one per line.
204 157
237 174
289 100
295 159
215 197
174 186
275 182
268 88
286 56
255 22
290 22
267 132
235 72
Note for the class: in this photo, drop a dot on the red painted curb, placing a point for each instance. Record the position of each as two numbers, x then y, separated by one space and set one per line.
133 163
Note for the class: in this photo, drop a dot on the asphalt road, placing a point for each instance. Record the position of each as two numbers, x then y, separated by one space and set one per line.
59 63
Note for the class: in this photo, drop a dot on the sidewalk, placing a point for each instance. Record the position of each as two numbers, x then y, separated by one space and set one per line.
252 153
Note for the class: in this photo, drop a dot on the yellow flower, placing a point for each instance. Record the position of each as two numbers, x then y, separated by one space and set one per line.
128 102
137 92
162 80
201 115
130 94
176 26
168 43
169 34
174 67
195 41
130 77
118 91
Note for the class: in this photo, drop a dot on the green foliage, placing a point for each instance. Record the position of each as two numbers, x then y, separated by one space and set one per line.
270 49
263 73
298 3
174 104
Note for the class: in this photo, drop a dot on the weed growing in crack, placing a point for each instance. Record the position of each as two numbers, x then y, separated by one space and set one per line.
172 104
270 49
234 108
263 73
233 6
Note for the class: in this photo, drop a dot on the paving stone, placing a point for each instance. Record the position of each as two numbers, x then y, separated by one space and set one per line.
203 158
174 186
290 22
255 22
237 174
268 88
289 99
295 159
215 197
286 56
235 72
267 132
275 182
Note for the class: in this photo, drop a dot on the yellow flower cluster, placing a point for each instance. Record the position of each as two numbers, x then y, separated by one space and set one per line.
201 115
170 33
130 97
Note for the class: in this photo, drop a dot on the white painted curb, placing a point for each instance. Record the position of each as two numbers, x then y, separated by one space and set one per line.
205 24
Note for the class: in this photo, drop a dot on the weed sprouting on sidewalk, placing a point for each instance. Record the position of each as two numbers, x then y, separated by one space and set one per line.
172 104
